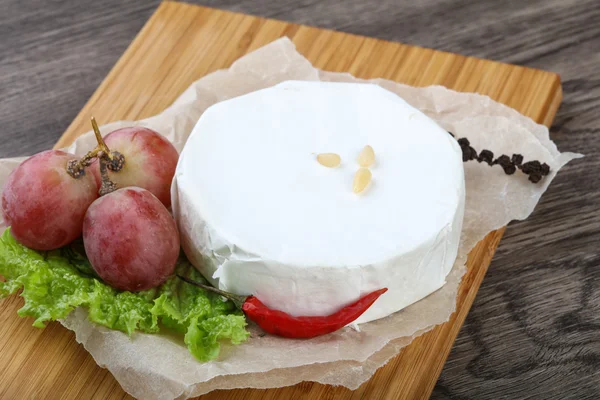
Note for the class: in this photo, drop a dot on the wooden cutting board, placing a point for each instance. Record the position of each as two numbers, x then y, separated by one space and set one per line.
181 43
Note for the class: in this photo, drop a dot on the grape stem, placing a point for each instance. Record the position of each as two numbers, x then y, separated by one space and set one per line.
108 160
101 144
77 168
107 185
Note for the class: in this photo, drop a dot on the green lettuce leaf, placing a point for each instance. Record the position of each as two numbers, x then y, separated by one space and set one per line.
55 283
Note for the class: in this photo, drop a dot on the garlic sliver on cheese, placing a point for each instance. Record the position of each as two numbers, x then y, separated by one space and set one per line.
366 158
329 160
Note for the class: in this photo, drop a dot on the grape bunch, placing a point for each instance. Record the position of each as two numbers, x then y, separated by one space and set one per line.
116 197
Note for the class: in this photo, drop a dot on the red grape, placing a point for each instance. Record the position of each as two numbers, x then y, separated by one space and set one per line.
150 161
131 239
43 204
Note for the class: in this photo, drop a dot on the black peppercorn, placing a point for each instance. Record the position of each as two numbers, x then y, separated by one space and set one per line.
534 169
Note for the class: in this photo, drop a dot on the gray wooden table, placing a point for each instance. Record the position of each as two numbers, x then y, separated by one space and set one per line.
534 330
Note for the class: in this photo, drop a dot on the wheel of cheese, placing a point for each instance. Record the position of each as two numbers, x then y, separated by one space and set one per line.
258 214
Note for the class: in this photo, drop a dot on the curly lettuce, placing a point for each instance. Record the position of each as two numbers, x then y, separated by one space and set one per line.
55 283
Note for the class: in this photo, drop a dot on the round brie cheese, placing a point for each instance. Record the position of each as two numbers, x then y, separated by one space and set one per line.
259 215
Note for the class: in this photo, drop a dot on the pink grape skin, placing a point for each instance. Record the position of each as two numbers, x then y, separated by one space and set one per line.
43 204
131 239
150 161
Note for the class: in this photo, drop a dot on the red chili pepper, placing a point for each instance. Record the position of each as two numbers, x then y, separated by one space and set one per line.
283 324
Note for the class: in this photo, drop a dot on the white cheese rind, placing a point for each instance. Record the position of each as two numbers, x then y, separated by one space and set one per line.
259 215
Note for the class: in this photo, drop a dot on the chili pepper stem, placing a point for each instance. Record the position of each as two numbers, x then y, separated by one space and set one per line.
237 300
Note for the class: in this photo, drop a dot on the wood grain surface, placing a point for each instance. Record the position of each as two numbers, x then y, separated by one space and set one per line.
533 331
